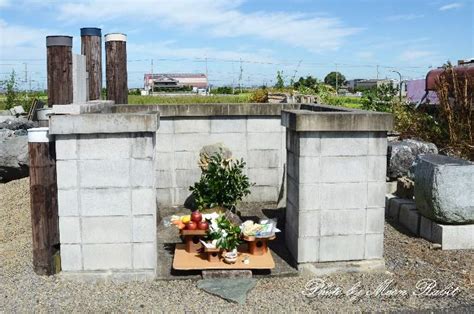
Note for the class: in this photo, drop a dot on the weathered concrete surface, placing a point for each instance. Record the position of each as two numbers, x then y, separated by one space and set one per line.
444 189
402 155
230 289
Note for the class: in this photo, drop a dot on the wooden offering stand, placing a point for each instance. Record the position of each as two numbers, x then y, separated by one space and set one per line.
213 255
191 239
258 246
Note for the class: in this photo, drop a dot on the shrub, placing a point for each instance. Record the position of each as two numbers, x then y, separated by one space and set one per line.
222 182
380 98
260 95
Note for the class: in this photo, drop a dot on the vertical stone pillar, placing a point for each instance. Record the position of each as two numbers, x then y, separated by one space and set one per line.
116 67
59 68
91 47
336 161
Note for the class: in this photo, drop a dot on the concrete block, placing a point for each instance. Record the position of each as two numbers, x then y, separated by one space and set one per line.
263 124
394 207
165 197
144 228
454 237
308 249
66 147
292 141
309 169
106 230
343 196
410 218
103 173
344 143
376 194
343 169
377 142
310 144
375 220
228 125
264 176
164 161
309 197
309 224
107 256
257 141
142 145
166 126
374 246
291 241
68 204
293 192
143 201
181 194
70 230
234 141
71 258
104 146
142 173
66 174
263 158
164 179
263 194
342 248
342 222
164 143
186 160
377 168
192 125
388 198
144 256
191 142
186 178
292 217
425 228
292 165
105 202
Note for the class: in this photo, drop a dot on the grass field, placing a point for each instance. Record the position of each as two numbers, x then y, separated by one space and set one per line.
216 99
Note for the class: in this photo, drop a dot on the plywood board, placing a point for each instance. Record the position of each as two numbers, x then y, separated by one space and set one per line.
196 261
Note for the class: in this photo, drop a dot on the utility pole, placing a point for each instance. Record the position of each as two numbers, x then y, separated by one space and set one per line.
240 76
377 71
207 78
152 79
400 83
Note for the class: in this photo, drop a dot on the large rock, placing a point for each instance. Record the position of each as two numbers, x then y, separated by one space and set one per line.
18 124
444 189
13 155
402 154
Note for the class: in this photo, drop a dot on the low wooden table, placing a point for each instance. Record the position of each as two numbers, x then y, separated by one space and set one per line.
258 246
191 239
184 260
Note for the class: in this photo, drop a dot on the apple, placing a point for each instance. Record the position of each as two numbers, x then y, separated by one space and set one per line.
191 225
203 225
196 216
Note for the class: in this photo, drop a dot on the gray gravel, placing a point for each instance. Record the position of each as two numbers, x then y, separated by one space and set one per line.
408 260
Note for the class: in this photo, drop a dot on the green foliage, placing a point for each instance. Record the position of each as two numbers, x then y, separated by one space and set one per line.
222 183
280 83
134 91
195 99
223 90
308 82
380 98
332 77
227 234
11 92
260 95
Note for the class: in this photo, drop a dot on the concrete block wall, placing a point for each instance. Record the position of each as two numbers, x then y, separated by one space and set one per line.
259 140
106 198
336 195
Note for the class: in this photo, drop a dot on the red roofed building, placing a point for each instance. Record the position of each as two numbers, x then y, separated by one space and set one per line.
175 80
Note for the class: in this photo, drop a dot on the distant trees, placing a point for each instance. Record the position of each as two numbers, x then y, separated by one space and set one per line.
309 82
280 83
334 77
11 92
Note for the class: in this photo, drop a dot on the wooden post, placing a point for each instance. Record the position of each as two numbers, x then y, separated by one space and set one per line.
59 67
116 67
91 47
43 200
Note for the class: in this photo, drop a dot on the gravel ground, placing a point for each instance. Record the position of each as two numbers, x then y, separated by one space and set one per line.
408 260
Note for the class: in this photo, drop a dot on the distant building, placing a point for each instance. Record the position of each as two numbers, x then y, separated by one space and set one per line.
175 81
359 84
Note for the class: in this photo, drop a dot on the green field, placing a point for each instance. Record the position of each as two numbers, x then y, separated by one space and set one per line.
215 99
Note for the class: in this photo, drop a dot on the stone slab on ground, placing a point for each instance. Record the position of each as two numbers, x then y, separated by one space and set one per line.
444 189
218 274
451 237
234 290
328 268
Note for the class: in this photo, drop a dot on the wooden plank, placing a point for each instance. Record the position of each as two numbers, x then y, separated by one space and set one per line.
198 261
59 68
44 206
91 47
116 71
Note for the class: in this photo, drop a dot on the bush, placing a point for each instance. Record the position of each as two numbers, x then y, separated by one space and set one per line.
380 98
223 90
222 182
260 95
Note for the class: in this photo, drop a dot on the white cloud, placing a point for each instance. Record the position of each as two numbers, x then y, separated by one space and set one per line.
218 18
451 6
416 55
404 17
4 3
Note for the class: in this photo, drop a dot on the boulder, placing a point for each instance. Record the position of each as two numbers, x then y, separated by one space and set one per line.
402 154
18 124
444 189
13 156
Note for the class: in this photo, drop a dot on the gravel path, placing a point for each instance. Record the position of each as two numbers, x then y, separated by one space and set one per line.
408 260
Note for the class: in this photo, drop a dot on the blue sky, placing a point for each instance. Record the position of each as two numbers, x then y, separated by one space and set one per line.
310 37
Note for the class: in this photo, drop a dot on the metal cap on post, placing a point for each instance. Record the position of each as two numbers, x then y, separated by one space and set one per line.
91 47
116 67
59 68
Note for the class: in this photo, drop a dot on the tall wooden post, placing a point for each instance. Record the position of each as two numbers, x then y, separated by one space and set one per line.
91 47
59 67
43 200
116 67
